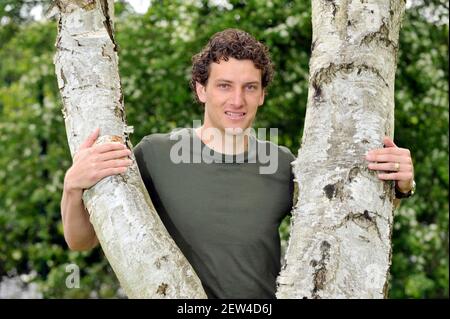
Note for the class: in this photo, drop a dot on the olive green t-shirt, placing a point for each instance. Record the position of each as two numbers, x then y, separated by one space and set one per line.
221 211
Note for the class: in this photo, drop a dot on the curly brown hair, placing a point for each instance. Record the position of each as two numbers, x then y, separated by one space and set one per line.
233 43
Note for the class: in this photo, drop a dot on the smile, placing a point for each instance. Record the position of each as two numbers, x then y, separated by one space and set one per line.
235 115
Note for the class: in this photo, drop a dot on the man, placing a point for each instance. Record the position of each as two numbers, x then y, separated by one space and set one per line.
222 212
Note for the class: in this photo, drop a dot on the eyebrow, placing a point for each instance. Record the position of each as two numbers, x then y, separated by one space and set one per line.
228 81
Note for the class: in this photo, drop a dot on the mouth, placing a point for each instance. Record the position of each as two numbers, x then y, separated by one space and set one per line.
235 115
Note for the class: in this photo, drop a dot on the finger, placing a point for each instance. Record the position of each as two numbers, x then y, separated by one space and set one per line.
111 171
113 164
106 156
389 158
107 147
390 150
398 176
390 167
388 142
90 139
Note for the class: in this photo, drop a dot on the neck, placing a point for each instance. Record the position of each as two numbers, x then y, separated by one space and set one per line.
224 142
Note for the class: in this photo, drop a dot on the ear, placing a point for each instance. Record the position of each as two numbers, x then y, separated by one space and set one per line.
201 92
261 98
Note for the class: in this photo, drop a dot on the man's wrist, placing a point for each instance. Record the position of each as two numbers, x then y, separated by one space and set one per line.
72 191
403 189
402 193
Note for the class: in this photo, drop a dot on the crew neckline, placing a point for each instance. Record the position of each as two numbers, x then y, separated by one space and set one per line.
243 157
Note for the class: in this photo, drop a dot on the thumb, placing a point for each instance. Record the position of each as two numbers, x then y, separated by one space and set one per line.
90 140
388 142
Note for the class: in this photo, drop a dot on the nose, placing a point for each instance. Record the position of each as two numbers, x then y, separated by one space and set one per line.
238 98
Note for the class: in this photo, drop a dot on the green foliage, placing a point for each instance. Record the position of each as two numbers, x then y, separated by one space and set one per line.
155 50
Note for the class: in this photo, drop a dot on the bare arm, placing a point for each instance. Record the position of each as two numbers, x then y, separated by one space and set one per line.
91 164
78 231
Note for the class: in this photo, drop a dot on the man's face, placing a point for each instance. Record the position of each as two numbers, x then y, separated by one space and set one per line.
232 94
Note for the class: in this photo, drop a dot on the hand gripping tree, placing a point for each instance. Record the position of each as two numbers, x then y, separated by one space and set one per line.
141 252
340 244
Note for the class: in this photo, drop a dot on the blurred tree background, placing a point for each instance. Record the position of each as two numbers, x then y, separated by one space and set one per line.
155 52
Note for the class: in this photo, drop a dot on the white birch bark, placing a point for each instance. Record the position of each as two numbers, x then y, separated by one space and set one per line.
340 242
144 257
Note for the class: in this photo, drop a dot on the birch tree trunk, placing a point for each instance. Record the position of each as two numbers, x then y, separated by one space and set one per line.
340 244
144 257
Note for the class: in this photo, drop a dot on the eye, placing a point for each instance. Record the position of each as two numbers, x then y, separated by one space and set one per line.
223 85
251 87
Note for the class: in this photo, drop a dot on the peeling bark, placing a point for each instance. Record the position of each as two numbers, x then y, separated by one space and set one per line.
144 257
341 226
